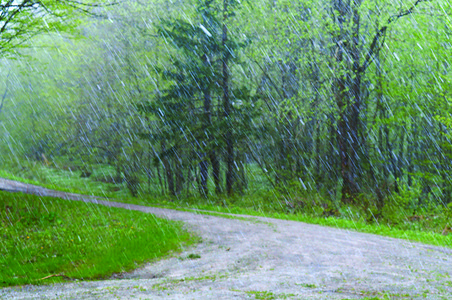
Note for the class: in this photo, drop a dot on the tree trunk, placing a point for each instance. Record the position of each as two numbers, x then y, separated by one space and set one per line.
356 151
242 182
227 105
215 171
160 180
207 124
179 169
168 171
347 95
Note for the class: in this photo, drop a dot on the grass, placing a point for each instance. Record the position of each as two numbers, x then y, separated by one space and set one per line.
47 239
166 285
266 295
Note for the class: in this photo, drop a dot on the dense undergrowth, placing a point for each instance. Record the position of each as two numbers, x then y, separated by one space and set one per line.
404 215
47 239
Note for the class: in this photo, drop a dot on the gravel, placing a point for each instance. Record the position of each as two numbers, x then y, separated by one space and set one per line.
263 258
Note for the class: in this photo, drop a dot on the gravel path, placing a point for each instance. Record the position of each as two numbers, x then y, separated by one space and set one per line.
263 258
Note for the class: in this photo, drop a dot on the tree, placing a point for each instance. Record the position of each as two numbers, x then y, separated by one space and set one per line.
199 74
21 20
351 66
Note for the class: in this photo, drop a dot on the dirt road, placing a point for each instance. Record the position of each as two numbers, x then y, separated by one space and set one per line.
263 258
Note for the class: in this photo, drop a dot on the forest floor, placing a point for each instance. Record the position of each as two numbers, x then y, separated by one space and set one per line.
244 257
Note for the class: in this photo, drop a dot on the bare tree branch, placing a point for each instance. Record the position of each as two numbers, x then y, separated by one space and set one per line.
20 20
376 45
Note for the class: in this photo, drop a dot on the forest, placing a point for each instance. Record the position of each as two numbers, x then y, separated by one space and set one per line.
332 108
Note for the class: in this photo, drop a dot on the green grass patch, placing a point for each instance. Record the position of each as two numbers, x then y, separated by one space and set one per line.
167 284
266 295
42 237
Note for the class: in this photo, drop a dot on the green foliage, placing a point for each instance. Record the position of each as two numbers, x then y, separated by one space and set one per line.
22 20
407 199
46 236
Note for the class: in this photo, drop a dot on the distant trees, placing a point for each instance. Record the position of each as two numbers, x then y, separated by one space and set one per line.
329 98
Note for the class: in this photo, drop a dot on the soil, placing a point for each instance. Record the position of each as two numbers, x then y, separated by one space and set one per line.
263 258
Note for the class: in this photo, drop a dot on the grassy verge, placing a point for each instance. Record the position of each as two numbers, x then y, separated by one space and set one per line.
60 240
67 181
417 235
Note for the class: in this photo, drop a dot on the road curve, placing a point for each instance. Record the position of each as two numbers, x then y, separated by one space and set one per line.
264 258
